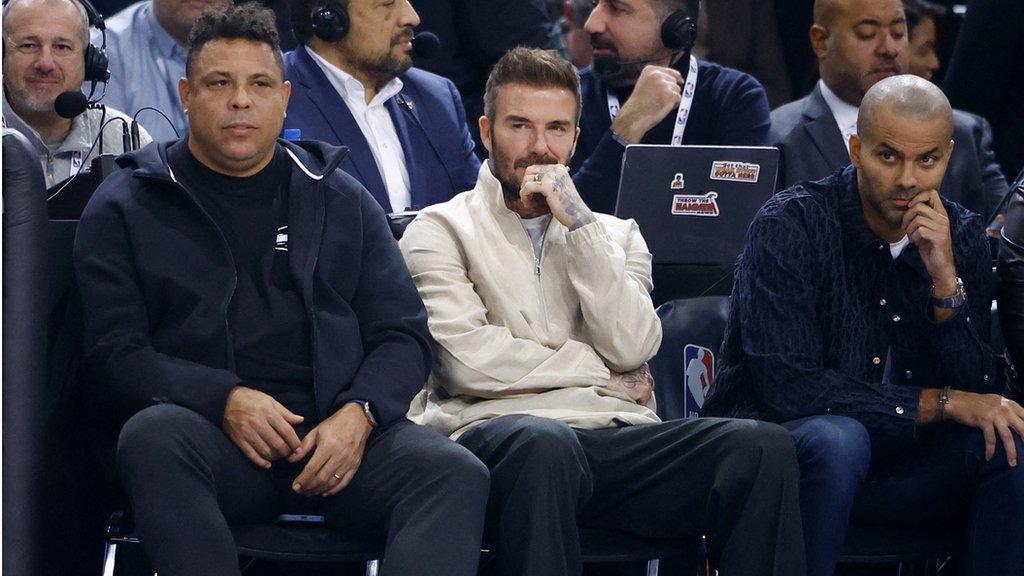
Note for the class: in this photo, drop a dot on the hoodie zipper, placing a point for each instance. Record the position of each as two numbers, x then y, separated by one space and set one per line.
225 306
537 260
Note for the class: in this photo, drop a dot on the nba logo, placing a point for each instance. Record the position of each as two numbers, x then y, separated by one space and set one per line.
698 372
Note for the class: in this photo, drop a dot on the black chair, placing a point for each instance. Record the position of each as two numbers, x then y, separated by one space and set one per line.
700 322
907 548
604 546
317 544
285 543
692 328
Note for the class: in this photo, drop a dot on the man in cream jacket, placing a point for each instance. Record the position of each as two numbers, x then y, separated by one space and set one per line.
543 319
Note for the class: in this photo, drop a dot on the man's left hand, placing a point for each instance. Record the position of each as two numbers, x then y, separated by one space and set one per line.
337 444
927 225
553 183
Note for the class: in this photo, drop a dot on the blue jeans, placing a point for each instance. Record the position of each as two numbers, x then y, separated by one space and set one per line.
943 479
834 453
939 479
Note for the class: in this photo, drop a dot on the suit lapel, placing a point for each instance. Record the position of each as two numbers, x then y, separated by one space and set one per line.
338 116
402 118
824 132
415 140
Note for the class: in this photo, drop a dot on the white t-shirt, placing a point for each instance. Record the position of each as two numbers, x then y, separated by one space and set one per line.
535 228
896 247
377 127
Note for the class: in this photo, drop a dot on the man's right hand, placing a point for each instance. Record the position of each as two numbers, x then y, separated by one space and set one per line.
260 426
657 92
638 384
995 415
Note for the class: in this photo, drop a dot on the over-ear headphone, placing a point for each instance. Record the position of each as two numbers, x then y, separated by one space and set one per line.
679 32
330 24
96 63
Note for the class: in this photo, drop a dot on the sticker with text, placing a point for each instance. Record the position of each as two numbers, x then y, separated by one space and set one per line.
695 205
735 171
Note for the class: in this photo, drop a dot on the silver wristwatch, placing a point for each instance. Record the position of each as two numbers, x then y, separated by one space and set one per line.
955 301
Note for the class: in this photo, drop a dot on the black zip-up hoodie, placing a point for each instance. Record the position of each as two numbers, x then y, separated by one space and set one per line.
156 278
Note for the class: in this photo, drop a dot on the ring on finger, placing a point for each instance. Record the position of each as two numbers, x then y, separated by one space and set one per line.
336 476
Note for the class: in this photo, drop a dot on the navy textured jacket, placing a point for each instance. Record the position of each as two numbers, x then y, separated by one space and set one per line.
824 321
428 117
729 108
156 277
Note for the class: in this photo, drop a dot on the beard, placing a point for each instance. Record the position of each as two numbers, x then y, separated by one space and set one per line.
504 170
29 101
610 67
388 65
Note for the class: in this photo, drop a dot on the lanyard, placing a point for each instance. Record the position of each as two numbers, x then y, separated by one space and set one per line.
685 103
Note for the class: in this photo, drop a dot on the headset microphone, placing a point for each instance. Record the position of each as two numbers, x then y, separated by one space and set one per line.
609 66
678 34
70 104
426 45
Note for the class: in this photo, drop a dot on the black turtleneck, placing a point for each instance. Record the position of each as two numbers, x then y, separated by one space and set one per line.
267 319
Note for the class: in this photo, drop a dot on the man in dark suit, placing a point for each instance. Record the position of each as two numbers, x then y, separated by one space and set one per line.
354 85
857 45
474 34
986 74
642 61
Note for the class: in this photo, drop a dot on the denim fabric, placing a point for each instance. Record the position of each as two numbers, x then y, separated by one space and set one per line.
943 479
834 453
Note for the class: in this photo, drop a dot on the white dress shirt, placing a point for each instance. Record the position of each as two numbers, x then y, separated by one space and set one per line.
378 129
844 113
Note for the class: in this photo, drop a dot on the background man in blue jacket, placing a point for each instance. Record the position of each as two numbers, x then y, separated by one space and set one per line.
246 301
405 128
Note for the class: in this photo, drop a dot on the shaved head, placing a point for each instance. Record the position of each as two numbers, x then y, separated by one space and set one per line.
902 148
825 11
907 96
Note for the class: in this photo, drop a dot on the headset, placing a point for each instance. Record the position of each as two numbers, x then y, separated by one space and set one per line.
679 32
330 24
96 63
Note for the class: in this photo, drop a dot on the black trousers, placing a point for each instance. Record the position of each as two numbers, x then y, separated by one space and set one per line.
736 481
422 494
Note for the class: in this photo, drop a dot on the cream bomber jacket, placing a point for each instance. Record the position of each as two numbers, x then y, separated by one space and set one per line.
522 335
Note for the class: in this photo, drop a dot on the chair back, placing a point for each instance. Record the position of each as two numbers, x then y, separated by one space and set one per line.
683 368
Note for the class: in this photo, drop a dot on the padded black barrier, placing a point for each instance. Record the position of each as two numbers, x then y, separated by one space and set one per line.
25 277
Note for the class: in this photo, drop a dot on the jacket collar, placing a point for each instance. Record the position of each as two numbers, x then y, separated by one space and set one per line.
314 160
857 236
488 187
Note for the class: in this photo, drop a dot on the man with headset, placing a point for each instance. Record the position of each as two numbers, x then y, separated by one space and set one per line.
646 87
354 85
46 53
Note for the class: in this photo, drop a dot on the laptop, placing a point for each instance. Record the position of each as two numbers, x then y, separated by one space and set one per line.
694 203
